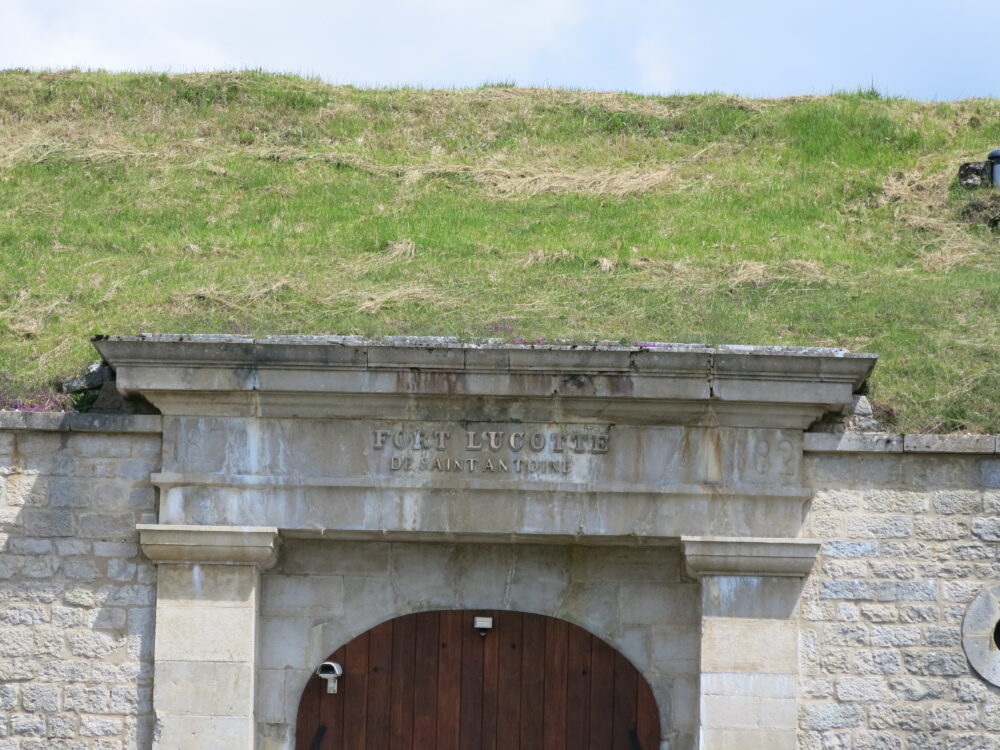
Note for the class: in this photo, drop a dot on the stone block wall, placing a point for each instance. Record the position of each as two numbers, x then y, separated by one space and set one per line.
910 532
76 596
909 540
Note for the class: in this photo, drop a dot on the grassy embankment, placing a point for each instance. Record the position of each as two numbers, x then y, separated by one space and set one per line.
253 203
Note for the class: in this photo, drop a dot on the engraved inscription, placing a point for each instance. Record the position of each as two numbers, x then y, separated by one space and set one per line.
494 440
772 457
496 451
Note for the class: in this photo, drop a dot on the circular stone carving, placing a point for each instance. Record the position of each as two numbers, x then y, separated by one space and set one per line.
979 634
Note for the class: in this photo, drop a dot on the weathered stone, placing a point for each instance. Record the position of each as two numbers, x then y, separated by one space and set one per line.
898 591
848 590
935 662
60 726
840 549
40 698
987 529
24 614
953 717
878 527
8 697
975 174
27 725
92 378
919 689
86 699
95 726
897 717
877 741
941 528
867 689
892 569
876 662
895 636
915 613
825 716
91 644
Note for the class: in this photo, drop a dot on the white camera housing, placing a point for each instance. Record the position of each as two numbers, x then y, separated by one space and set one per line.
330 671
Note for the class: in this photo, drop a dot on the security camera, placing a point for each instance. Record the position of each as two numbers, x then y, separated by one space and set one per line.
330 671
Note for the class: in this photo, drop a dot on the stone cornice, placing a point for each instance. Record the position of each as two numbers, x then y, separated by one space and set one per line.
729 556
165 543
344 376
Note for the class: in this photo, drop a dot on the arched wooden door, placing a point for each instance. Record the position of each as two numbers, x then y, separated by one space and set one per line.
430 681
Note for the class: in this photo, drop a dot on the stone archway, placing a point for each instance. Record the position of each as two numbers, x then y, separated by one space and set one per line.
432 680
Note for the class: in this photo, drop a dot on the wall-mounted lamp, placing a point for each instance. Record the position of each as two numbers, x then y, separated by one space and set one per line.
482 624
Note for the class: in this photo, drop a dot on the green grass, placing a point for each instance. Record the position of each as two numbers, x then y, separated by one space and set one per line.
256 203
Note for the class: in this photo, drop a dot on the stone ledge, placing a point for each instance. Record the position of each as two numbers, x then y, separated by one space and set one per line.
821 442
246 545
950 443
750 556
47 421
818 442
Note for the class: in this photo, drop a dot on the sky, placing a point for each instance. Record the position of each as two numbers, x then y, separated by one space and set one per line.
923 49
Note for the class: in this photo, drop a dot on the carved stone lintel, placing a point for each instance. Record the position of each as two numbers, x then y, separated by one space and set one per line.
734 556
338 377
225 545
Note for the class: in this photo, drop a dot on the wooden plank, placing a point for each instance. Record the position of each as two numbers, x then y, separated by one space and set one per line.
492 642
425 682
556 651
354 685
509 681
578 653
532 681
331 708
449 679
470 733
307 719
379 686
404 634
626 679
602 693
647 717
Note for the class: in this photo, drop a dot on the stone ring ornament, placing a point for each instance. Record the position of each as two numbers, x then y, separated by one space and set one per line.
981 634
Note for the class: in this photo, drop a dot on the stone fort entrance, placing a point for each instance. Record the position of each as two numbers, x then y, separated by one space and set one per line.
477 679
315 488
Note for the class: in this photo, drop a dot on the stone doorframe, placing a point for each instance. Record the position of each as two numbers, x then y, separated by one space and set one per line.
435 441
207 616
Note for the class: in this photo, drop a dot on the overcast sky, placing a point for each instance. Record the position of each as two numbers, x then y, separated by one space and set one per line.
918 48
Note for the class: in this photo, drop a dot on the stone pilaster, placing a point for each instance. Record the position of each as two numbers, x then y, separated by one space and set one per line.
749 638
206 632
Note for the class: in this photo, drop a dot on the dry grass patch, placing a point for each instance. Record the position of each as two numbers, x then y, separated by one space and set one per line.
749 273
374 303
952 254
394 253
246 299
25 314
501 181
545 256
607 265
40 151
919 199
528 182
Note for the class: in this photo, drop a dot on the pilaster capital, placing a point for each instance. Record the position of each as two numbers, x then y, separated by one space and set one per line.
220 545
748 556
